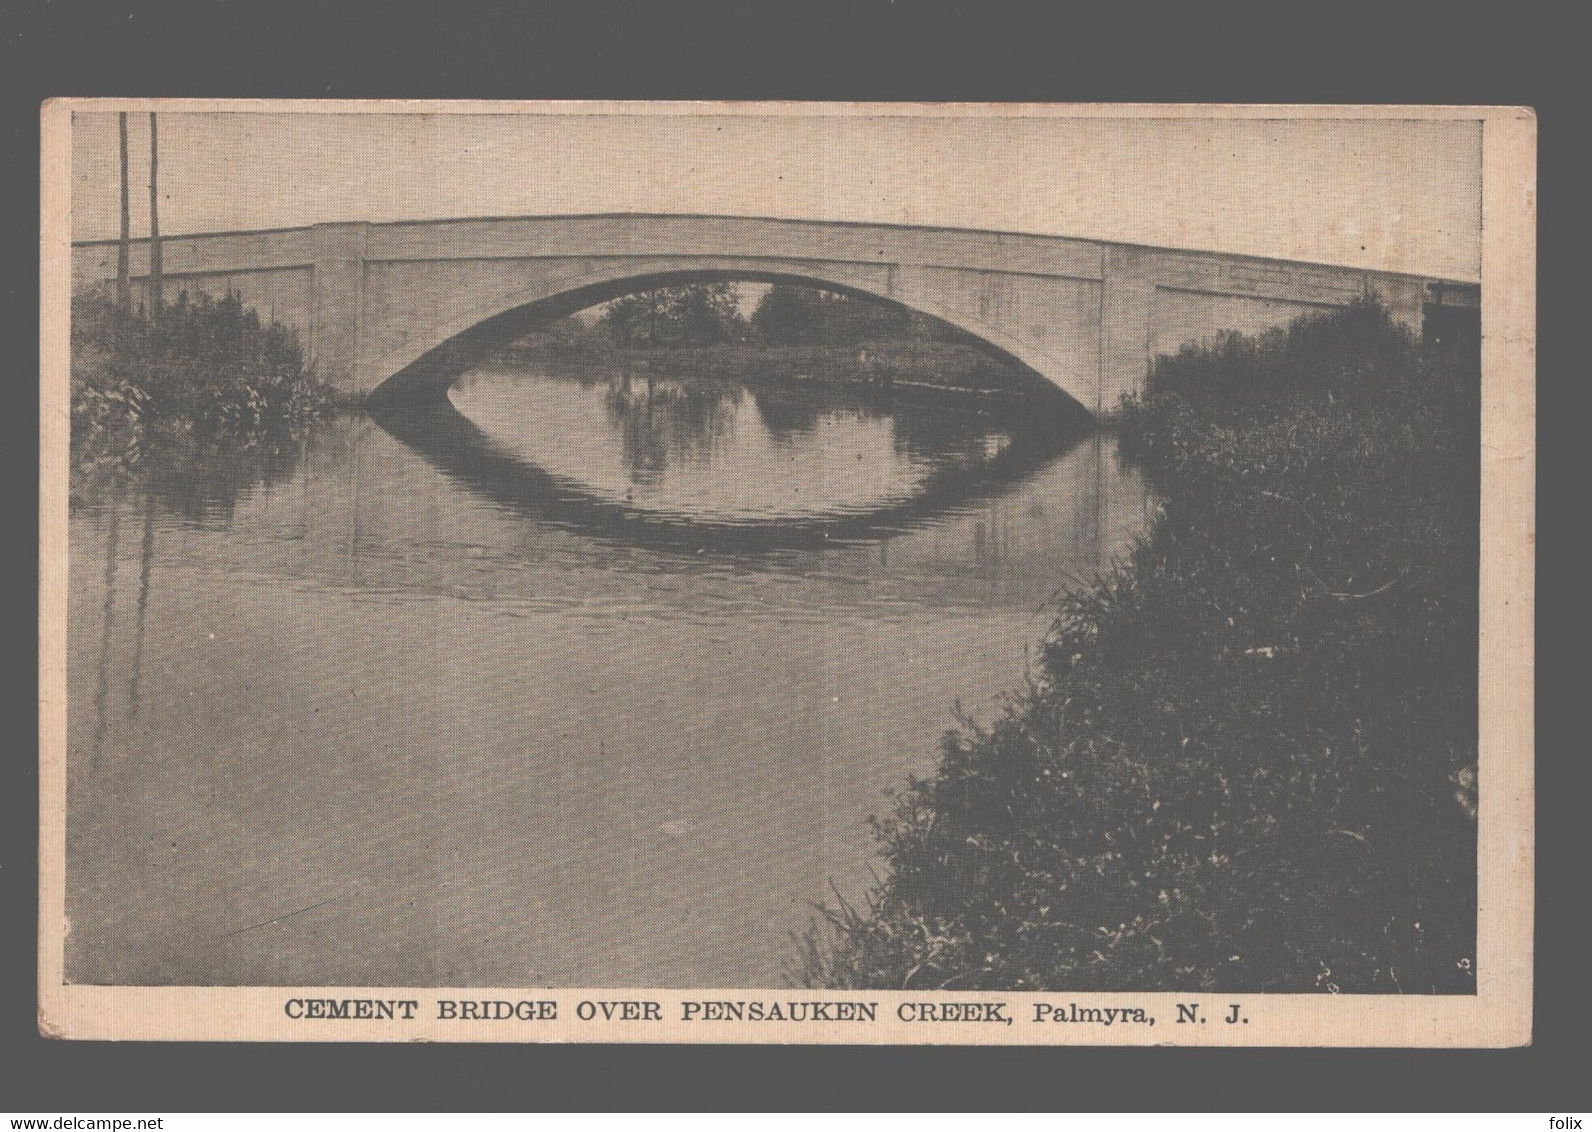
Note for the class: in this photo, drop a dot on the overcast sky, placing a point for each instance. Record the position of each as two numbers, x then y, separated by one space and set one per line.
1393 195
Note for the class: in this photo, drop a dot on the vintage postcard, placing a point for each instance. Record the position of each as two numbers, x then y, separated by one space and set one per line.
697 572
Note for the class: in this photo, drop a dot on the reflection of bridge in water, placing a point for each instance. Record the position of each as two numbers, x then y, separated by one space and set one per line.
361 506
973 540
672 428
372 300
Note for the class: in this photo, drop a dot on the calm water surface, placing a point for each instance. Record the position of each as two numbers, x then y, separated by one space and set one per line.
563 682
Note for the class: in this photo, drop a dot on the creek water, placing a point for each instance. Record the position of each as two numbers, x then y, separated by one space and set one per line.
564 681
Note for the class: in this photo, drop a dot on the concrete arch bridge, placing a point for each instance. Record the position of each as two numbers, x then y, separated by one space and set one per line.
379 305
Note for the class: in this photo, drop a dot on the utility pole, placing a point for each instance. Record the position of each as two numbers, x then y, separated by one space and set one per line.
154 224
124 286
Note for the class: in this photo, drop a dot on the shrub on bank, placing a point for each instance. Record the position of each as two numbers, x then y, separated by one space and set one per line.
1248 760
208 364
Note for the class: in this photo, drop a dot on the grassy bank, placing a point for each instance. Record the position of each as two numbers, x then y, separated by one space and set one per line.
906 362
1248 759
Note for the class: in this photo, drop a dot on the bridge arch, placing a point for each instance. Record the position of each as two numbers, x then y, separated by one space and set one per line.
426 364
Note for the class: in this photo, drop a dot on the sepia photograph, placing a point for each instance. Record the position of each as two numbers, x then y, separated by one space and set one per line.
787 572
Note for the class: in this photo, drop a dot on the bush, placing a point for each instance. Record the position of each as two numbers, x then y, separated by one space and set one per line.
208 364
1248 762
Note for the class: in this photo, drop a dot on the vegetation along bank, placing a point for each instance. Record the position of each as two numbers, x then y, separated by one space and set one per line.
1248 758
202 372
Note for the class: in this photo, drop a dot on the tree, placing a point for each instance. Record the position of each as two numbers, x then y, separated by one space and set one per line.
632 320
695 314
704 313
791 314
784 316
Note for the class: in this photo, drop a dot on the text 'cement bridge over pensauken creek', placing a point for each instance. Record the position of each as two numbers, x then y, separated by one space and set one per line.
371 300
